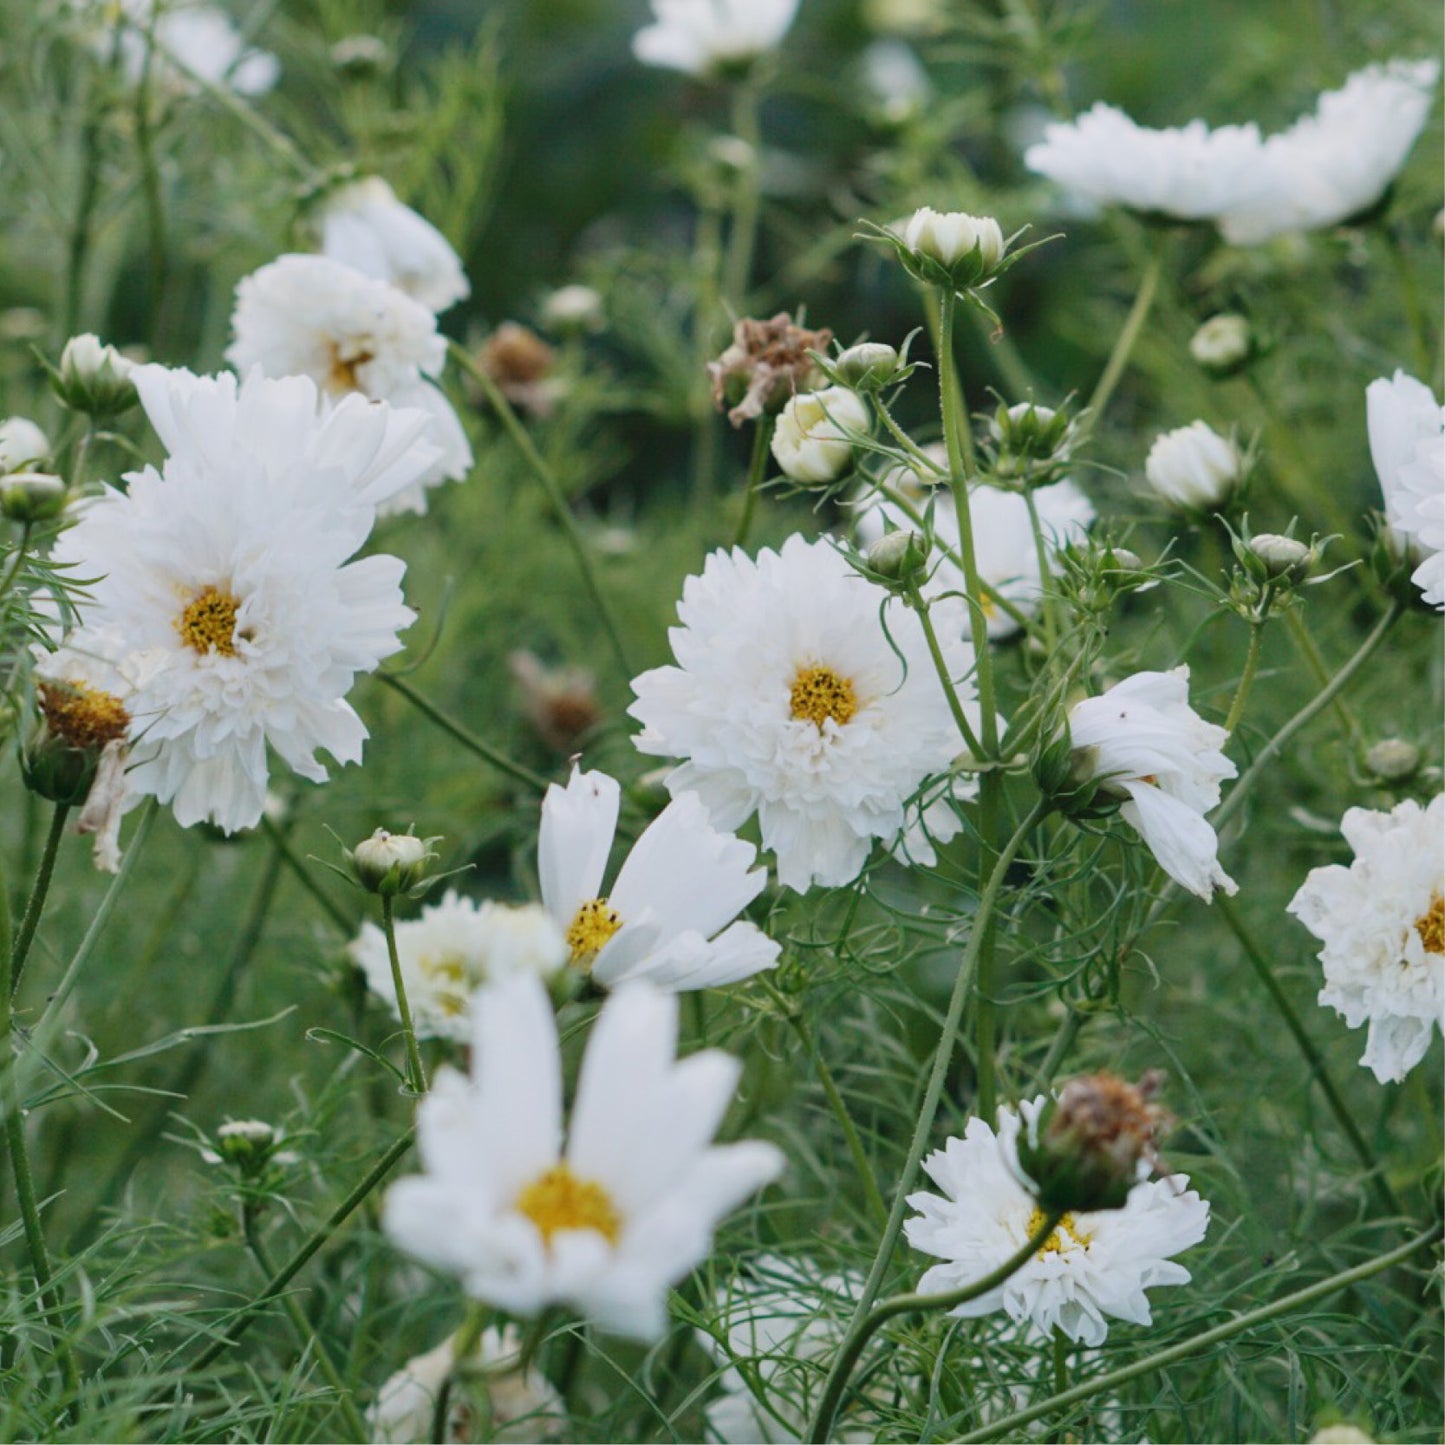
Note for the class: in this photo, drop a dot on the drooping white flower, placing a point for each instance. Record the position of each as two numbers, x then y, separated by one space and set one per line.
351 334
1093 1267
811 442
1382 923
1336 162
793 698
1142 741
630 1205
1407 443
1193 467
450 951
700 36
669 915
364 226
230 565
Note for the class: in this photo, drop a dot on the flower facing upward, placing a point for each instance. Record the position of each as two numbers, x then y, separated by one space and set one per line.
1093 1265
1142 741
699 37
625 1211
668 916
794 699
1407 444
1382 923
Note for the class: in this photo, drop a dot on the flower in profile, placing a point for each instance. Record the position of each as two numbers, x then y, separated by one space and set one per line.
703 37
669 915
1338 161
766 365
1193 467
352 335
1407 444
22 443
1382 923
364 226
229 570
953 246
630 1205
1093 1267
1141 741
795 699
812 441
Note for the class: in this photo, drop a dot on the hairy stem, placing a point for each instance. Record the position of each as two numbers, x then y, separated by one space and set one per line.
35 905
955 706
1246 678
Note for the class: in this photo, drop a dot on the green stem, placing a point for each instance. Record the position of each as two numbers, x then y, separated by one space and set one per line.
78 247
1124 343
853 1347
1046 595
1009 1425
14 569
986 993
953 406
1415 313
415 1074
707 313
743 235
1061 1360
154 204
464 1342
1300 636
1246 678
287 854
36 903
757 470
917 602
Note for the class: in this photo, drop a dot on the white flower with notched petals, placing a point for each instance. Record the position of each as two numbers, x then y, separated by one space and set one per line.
1093 1267
229 568
1193 467
453 948
669 915
1143 742
700 36
1407 443
630 1205
1382 923
352 335
364 226
796 698
811 441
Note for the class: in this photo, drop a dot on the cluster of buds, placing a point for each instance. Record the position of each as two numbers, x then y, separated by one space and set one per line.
767 364
1028 445
1095 571
1195 470
94 378
28 493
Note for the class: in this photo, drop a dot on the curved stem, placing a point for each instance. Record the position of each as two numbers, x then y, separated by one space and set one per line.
415 1074
1046 598
36 903
917 602
985 994
343 921
8 581
1125 341
1300 636
757 469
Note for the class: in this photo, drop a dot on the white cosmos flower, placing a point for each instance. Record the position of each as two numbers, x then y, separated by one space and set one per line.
453 948
668 916
698 36
1407 443
1094 1266
1193 467
802 696
351 334
1142 741
630 1205
1382 923
1336 162
229 568
364 226
811 440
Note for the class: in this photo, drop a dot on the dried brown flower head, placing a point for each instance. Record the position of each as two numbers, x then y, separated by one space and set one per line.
560 702
767 363
520 362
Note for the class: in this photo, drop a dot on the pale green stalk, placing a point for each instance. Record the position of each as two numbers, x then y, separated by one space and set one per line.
415 1074
940 666
1046 596
1246 678
1125 341
757 470
35 905
743 235
1300 636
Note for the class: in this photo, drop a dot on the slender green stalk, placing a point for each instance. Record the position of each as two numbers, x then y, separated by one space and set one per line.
1061 1361
463 1343
1047 602
1419 328
743 234
535 461
415 1074
986 993
1300 636
1009 1425
35 905
13 571
77 251
955 706
706 315
154 202
1246 678
287 854
1125 341
953 406
837 1382
757 470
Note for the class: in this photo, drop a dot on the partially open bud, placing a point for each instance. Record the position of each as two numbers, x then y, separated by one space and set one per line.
899 558
391 863
22 443
1083 1151
1284 558
94 378
358 57
1223 345
571 310
1194 468
249 1146
869 366
811 442
1393 760
952 247
32 496
767 365
78 722
1031 441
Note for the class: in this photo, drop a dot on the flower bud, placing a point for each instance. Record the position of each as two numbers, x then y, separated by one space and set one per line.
31 496
249 1146
869 366
811 442
94 378
1342 1434
57 770
572 310
1393 760
391 863
967 247
21 443
1223 344
357 57
1194 468
898 557
1028 437
1284 558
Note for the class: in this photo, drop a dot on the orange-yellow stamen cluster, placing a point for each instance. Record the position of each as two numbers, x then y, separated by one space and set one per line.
560 1200
86 717
818 693
341 376
208 623
1066 1236
1430 925
596 921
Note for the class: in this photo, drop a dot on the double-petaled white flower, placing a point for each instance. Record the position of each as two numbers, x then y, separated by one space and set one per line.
1143 742
701 36
229 568
1193 467
352 335
1407 443
812 441
630 1205
803 696
1094 1266
1382 923
668 916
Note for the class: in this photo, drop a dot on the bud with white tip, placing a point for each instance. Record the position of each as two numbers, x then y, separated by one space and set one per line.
965 249
1223 344
1393 760
572 310
94 378
391 863
1194 468
30 497
1285 559
811 442
869 366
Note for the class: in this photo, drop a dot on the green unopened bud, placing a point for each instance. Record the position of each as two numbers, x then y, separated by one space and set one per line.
1393 760
391 863
31 496
1284 559
898 557
249 1146
1223 345
57 770
869 366
94 378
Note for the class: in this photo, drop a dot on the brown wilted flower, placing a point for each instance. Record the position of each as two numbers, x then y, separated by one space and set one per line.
520 362
766 364
560 702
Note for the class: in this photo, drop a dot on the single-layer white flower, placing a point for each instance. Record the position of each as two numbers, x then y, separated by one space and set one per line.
1407 443
800 695
628 1208
1142 741
453 948
364 226
351 334
1382 923
231 566
811 441
1192 172
699 36
669 915
1193 466
1336 162
21 443
1093 1267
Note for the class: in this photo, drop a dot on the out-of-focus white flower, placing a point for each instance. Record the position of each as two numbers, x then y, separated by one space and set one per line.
1338 161
1407 444
1193 467
230 566
669 916
629 1207
896 80
573 308
351 334
795 699
1382 923
1142 741
949 236
364 226
1223 343
810 442
21 443
453 948
701 36
1094 1266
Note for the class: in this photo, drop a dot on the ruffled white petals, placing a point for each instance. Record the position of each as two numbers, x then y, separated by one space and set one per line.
697 36
1407 444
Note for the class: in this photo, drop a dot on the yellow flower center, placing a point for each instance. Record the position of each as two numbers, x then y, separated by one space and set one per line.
1430 925
1066 1236
341 374
449 971
595 923
560 1200
208 623
86 717
819 693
